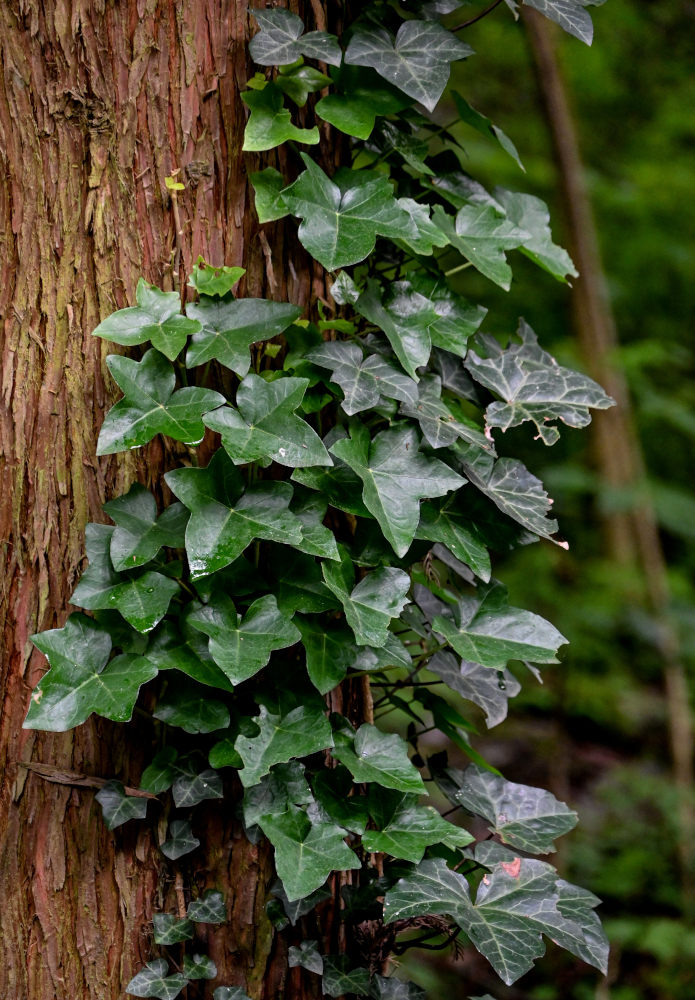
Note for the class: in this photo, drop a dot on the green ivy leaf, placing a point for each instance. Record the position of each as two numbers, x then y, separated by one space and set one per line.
571 15
317 539
199 967
482 235
339 978
139 533
280 40
306 955
161 773
300 81
82 680
180 841
224 521
330 652
491 633
332 788
443 521
343 216
395 477
169 929
265 424
372 603
355 111
427 235
533 386
117 807
283 786
242 647
527 818
184 648
456 319
283 736
270 123
267 185
405 316
484 687
404 829
338 484
441 423
151 406
416 61
363 380
157 318
532 215
214 281
481 123
189 707
371 755
299 585
230 993
228 327
153 981
193 786
306 851
390 988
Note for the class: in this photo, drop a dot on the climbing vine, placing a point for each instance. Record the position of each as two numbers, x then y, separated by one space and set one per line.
343 531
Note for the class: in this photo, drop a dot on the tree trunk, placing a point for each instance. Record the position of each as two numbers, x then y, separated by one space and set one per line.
99 102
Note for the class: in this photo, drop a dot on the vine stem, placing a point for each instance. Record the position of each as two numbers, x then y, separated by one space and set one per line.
478 17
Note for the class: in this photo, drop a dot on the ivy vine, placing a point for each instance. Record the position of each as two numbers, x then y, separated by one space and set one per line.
365 552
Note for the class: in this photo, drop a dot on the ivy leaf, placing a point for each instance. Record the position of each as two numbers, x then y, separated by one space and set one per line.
214 281
150 406
481 123
416 61
280 40
404 829
300 81
241 647
199 967
532 215
329 652
283 786
340 486
224 520
265 424
157 318
390 988
192 786
332 788
456 319
299 585
363 380
185 649
427 234
270 123
392 654
307 956
440 425
355 111
577 905
343 216
371 755
317 539
230 993
372 603
443 522
82 680
180 841
189 707
527 818
283 736
267 186
339 978
161 773
117 807
533 386
482 236
405 317
395 477
169 929
153 981
491 633
490 690
569 14
139 533
228 327
306 852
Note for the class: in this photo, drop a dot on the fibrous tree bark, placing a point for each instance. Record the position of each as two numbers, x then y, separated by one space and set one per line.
99 103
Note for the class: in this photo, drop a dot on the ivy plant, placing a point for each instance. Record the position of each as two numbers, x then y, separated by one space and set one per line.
344 530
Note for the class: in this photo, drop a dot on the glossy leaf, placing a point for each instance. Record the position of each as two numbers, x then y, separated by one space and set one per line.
340 486
532 215
455 319
228 328
117 807
230 993
330 653
199 967
363 380
371 755
405 316
270 123
214 281
405 829
339 978
306 955
281 40
571 15
169 929
343 215
395 477
82 680
482 235
153 981
140 533
332 788
265 424
440 421
186 650
416 60
157 318
180 840
283 736
190 707
152 406
283 786
446 522
299 81
193 786
372 603
355 111
161 773
390 988
267 185
486 688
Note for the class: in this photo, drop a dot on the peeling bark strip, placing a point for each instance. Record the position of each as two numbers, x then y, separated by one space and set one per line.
100 100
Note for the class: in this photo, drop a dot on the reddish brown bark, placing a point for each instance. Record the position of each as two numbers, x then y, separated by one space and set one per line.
99 102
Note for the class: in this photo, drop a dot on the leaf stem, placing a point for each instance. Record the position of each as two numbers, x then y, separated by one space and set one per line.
478 17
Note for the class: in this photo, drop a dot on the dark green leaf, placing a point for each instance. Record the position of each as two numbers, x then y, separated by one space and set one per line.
427 234
151 406
241 647
199 967
169 929
270 123
306 852
338 484
486 688
440 422
283 786
343 216
482 236
230 993
281 40
456 319
355 111
483 125
395 989
180 841
307 956
339 978
332 788
532 215
82 680
395 477
302 731
363 380
161 773
211 281
117 807
267 186
405 316
404 829
153 981
330 652
157 318
380 757
445 522
569 14
299 584
300 81
185 650
192 786
372 603
265 424
416 61
228 328
317 539
190 707
140 534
